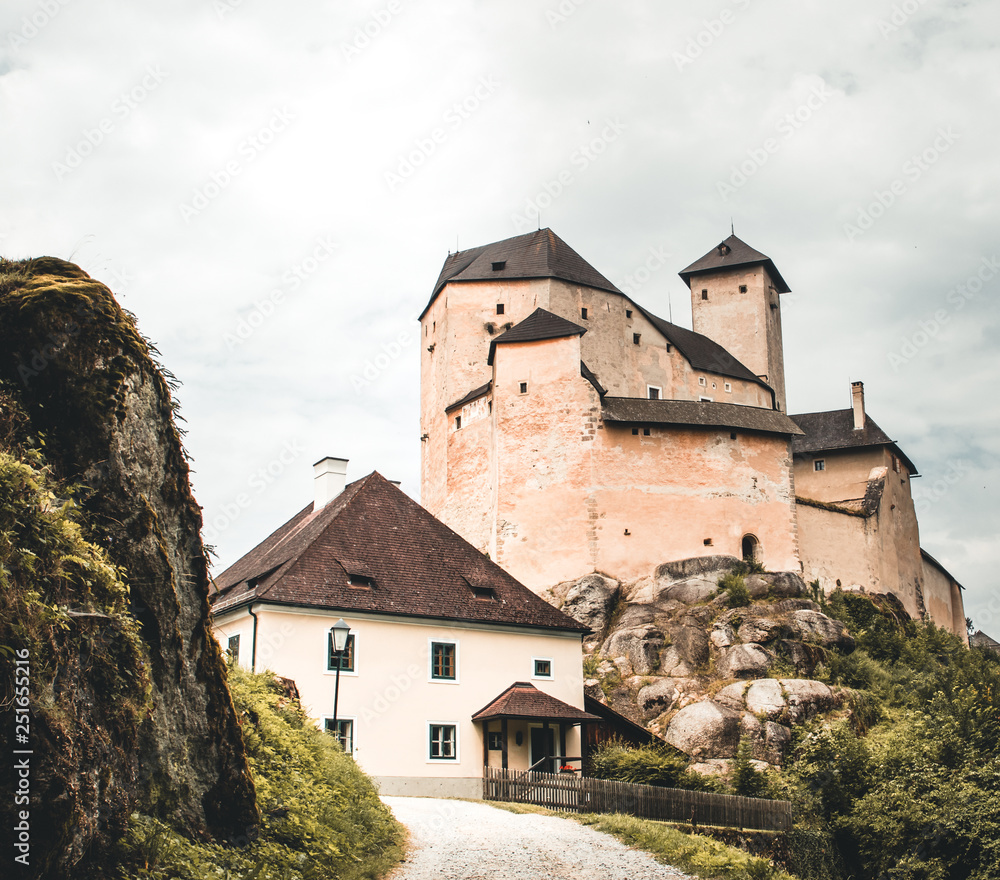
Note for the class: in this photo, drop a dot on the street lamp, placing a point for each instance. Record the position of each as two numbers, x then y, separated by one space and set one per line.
338 633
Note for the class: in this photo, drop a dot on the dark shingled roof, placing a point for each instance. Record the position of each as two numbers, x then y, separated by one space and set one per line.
729 253
539 254
524 700
827 431
539 325
591 377
703 353
472 395
419 566
638 410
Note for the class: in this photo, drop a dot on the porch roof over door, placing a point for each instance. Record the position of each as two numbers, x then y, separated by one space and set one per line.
523 700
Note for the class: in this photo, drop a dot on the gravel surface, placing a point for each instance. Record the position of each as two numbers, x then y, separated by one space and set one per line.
457 840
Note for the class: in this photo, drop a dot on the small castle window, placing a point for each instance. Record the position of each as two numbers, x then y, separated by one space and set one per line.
499 265
646 432
524 388
635 338
583 313
653 392
635 432
704 294
743 288
729 386
670 348
628 313
499 308
458 422
702 381
819 464
707 542
732 435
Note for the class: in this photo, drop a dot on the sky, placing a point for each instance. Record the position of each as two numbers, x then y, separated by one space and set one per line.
272 190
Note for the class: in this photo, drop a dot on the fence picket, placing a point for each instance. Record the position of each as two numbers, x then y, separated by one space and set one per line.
587 795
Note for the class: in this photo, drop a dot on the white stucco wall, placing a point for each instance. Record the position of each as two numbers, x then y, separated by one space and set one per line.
391 696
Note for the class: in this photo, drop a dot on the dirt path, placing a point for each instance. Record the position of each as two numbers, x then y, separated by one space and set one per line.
458 840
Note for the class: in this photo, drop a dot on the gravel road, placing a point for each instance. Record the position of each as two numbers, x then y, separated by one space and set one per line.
457 840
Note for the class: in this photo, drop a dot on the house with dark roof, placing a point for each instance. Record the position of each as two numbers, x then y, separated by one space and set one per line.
566 430
451 664
857 521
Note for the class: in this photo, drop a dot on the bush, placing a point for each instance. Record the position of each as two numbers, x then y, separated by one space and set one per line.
735 588
322 818
651 764
747 780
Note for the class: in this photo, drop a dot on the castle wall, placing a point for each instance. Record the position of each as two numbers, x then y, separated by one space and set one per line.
836 550
747 325
943 598
575 495
844 476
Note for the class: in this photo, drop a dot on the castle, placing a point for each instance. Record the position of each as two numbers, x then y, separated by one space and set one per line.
566 430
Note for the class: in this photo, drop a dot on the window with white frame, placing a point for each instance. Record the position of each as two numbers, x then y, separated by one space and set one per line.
728 386
654 392
541 667
442 741
819 464
344 732
444 661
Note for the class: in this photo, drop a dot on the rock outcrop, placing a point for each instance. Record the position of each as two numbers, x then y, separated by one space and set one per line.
78 386
667 642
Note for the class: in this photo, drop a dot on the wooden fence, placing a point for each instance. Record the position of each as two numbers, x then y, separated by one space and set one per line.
581 794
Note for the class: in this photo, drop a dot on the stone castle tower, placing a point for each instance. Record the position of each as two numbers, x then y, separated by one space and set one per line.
735 300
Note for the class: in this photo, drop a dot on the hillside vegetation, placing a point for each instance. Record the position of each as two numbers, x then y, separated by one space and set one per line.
901 779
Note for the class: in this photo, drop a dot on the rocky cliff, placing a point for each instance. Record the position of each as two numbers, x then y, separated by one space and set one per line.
703 667
87 427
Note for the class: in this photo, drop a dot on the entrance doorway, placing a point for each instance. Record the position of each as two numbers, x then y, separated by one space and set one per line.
543 745
751 549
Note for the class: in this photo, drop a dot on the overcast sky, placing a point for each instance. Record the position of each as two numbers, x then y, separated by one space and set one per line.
272 189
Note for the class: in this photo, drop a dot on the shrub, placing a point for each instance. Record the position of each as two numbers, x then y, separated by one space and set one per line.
651 764
747 780
735 588
322 818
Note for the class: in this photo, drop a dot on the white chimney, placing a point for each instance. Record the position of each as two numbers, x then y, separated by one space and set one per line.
329 479
858 404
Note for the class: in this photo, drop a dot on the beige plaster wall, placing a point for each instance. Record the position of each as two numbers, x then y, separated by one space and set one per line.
748 325
943 598
391 697
844 477
836 550
569 487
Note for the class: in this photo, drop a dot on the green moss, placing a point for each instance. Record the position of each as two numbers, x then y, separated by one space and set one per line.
322 818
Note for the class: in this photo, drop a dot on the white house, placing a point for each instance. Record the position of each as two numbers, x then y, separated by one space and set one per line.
451 663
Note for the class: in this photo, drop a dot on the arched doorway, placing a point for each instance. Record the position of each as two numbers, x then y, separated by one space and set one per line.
751 549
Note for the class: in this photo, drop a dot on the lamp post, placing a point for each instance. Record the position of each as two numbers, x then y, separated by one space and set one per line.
339 633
